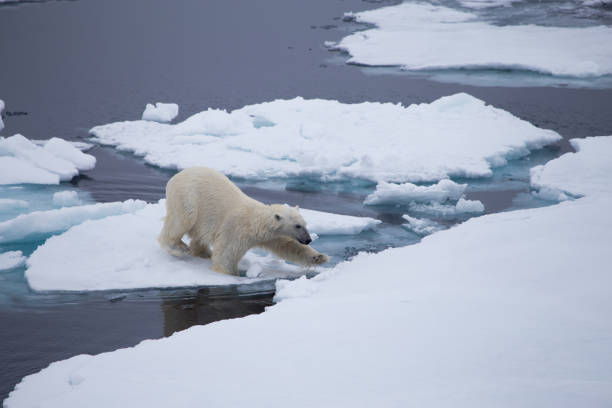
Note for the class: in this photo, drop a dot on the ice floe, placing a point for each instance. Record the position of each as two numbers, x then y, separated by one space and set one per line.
22 161
456 135
422 226
585 172
160 112
79 258
418 36
10 204
389 193
461 208
66 198
11 260
38 224
505 310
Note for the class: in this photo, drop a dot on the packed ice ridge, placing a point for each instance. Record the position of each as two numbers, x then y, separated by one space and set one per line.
422 226
79 258
389 193
488 313
22 161
160 112
418 36
456 135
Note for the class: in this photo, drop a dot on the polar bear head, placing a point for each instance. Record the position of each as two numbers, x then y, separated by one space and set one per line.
290 223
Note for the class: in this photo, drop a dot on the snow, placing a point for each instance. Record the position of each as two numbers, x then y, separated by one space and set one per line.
10 204
419 36
461 208
79 258
11 260
38 224
422 226
160 112
386 193
22 161
66 198
456 135
505 310
585 172
324 223
478 4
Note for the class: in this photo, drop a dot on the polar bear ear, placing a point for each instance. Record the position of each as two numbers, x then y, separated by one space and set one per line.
278 217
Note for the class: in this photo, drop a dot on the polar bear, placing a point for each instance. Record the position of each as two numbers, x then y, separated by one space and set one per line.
211 210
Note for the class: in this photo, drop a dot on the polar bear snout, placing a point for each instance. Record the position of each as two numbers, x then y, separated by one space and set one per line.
302 236
305 241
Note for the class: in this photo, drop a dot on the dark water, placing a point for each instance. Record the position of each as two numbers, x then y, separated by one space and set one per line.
66 66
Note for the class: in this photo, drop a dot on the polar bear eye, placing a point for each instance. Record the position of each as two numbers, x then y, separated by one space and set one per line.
298 226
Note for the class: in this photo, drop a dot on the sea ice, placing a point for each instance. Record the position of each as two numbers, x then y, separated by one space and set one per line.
505 310
22 161
66 198
11 260
160 112
79 258
459 209
585 172
10 204
389 193
422 226
456 135
38 224
418 36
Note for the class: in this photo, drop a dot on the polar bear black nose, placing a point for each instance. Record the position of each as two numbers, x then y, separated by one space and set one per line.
308 241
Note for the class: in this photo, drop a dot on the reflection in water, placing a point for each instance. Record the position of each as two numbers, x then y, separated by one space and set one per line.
207 306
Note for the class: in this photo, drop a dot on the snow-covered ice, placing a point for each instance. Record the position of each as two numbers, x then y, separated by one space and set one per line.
66 198
389 193
160 112
419 36
461 208
505 310
469 206
22 161
325 223
38 224
456 135
11 260
585 172
422 226
79 258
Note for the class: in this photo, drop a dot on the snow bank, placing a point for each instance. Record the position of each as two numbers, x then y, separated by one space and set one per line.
585 172
324 223
38 224
66 198
456 135
386 193
422 226
160 112
506 310
11 259
422 36
22 161
79 258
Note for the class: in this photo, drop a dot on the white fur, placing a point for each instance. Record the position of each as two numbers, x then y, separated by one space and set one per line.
212 211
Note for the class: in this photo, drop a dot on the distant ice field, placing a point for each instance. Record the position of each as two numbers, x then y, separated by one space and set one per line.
494 42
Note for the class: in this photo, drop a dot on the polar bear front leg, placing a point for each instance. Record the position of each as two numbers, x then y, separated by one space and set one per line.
226 255
293 251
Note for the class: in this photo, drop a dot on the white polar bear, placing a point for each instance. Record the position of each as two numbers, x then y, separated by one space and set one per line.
211 210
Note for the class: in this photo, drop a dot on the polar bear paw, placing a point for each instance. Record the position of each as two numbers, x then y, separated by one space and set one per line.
319 259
